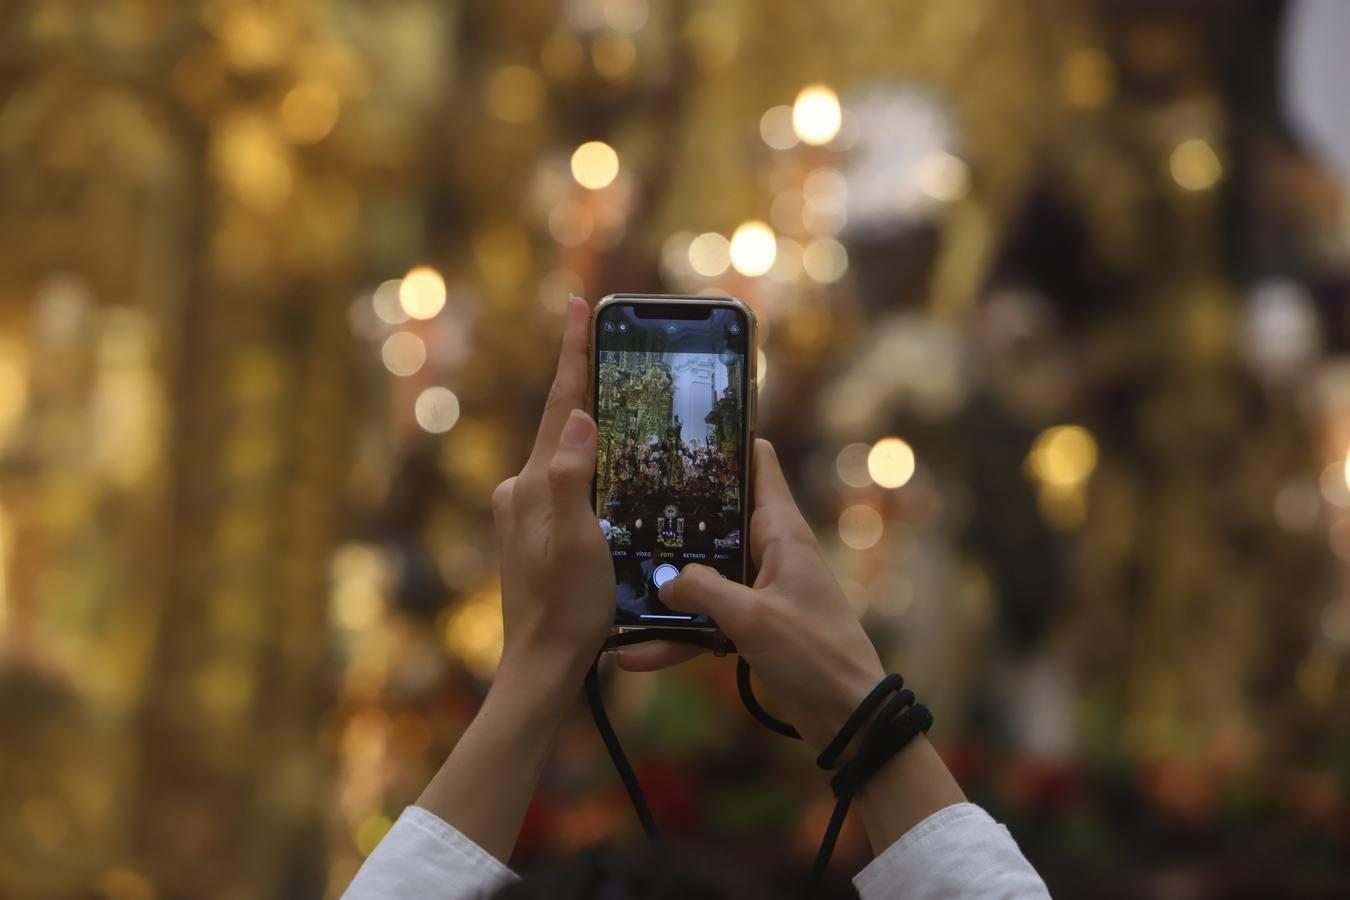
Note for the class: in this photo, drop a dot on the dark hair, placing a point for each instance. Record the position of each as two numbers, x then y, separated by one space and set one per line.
643 872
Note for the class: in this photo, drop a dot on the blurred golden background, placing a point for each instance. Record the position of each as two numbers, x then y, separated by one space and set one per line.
1054 299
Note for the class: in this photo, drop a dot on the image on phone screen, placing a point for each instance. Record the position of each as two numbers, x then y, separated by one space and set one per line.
671 410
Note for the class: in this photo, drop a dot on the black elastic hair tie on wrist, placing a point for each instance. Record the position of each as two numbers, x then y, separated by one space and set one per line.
829 757
899 721
895 733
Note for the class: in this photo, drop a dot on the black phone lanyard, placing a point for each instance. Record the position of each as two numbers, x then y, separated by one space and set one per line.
897 723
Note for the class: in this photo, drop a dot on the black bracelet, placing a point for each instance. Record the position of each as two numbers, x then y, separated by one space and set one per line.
894 736
898 722
829 757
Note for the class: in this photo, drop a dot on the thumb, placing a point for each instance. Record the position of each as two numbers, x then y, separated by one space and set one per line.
570 473
700 589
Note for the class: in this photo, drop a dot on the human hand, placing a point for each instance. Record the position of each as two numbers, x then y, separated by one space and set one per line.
794 626
557 575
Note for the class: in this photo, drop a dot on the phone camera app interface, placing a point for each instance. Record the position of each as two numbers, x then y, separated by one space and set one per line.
670 406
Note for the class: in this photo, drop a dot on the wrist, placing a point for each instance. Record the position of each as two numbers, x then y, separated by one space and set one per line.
912 785
540 685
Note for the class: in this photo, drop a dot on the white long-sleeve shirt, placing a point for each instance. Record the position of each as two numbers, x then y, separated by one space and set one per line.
957 852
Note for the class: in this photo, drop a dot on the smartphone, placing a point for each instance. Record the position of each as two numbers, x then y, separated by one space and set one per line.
674 399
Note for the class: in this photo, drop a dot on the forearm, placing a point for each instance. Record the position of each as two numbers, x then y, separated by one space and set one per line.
913 785
485 785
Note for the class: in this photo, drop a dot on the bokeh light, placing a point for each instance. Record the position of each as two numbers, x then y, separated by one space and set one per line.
1333 484
422 293
1194 165
816 116
595 165
825 188
710 254
775 128
473 632
890 462
1063 456
943 177
825 260
860 526
851 465
309 111
403 353
753 248
625 16
14 375
355 608
387 304
358 580
436 409
252 161
614 57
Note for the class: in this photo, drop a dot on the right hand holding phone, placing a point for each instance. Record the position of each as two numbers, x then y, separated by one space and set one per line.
794 626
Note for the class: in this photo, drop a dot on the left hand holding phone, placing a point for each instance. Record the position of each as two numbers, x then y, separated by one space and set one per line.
557 575
557 608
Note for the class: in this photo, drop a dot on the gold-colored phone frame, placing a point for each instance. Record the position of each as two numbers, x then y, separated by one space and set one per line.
658 632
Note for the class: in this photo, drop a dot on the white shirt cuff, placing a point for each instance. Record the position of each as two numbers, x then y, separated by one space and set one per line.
959 851
425 856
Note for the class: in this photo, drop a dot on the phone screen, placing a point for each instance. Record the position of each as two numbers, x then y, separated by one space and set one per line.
671 387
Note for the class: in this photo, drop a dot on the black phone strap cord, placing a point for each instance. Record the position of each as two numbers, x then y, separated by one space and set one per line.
752 704
895 720
618 757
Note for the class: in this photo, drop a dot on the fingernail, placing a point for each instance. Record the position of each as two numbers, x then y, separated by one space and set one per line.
574 432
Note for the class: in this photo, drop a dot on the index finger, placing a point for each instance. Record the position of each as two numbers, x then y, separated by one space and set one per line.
569 384
776 514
